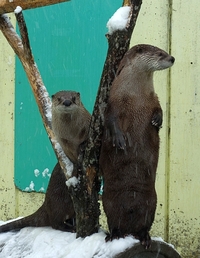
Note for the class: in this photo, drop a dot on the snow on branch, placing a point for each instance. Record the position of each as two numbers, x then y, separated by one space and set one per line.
119 20
18 9
21 46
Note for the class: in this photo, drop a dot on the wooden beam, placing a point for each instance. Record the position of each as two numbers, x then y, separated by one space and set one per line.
8 6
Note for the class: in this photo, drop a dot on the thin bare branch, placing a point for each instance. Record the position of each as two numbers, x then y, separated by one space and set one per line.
8 6
24 36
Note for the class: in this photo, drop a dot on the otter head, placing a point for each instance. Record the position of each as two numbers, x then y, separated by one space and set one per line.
66 101
149 58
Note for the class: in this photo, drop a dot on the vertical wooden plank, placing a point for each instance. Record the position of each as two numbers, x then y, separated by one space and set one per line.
153 28
13 203
7 65
184 208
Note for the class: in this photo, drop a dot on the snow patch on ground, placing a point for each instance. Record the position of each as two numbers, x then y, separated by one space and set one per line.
46 242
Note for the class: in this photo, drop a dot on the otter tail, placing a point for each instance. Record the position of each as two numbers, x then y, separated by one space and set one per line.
37 219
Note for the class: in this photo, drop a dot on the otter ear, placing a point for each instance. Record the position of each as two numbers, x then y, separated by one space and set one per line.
139 49
73 99
52 96
78 95
119 70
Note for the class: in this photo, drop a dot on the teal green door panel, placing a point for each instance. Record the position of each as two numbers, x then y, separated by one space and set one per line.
69 46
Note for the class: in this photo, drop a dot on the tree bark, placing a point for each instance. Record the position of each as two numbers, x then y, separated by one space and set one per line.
8 6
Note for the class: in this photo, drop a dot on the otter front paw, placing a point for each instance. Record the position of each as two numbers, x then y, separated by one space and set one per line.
115 234
144 237
119 140
69 225
157 119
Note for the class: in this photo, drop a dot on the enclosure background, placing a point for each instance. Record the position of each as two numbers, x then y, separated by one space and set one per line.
175 27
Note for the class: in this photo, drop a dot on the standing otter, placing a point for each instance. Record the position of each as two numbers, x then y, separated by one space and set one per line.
69 119
130 144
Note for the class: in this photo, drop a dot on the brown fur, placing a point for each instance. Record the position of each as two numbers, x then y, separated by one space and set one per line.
130 145
57 210
71 121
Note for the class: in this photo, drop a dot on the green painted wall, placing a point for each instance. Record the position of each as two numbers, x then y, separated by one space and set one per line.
69 45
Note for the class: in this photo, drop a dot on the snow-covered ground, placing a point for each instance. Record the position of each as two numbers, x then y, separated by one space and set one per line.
46 242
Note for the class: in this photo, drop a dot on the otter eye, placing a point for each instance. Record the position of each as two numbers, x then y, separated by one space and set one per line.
73 99
140 50
59 99
160 54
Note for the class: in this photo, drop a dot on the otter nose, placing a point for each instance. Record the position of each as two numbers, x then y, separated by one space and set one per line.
172 59
67 103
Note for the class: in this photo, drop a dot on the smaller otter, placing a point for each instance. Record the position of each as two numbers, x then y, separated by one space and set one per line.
130 144
69 116
70 122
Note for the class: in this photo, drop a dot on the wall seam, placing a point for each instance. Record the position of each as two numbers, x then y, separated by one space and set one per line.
168 135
